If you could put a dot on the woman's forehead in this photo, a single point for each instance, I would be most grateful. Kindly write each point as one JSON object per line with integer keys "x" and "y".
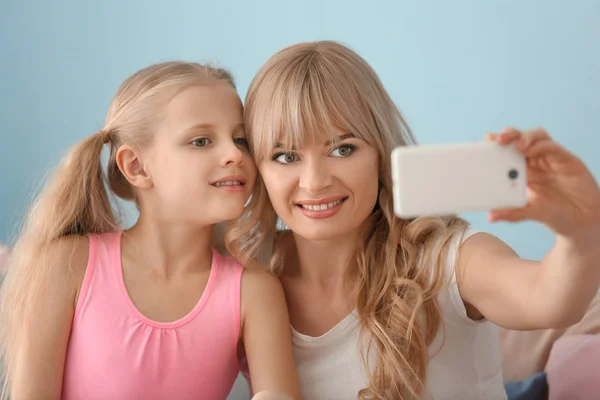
{"x": 314, "y": 137}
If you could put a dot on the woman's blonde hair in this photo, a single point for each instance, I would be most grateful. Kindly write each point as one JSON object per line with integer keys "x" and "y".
{"x": 76, "y": 201}
{"x": 304, "y": 90}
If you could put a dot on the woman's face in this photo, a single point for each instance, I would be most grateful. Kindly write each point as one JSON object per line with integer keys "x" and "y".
{"x": 324, "y": 190}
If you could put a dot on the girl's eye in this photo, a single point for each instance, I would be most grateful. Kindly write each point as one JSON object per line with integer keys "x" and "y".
{"x": 201, "y": 142}
{"x": 285, "y": 158}
{"x": 343, "y": 150}
{"x": 241, "y": 141}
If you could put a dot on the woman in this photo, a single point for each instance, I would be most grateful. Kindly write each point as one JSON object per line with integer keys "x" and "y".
{"x": 388, "y": 308}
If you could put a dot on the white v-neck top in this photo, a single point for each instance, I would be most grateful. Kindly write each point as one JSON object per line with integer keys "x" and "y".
{"x": 465, "y": 357}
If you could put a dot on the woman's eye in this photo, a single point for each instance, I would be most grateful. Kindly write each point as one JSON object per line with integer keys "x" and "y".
{"x": 343, "y": 150}
{"x": 285, "y": 158}
{"x": 201, "y": 142}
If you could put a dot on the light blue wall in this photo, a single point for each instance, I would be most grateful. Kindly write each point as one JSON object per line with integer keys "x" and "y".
{"x": 456, "y": 69}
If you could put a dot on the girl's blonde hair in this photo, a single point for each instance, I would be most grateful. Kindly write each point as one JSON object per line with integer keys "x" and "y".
{"x": 307, "y": 89}
{"x": 76, "y": 200}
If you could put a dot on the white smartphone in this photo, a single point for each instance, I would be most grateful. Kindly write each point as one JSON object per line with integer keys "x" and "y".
{"x": 439, "y": 180}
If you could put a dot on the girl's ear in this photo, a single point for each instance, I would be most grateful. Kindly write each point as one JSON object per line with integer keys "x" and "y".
{"x": 131, "y": 166}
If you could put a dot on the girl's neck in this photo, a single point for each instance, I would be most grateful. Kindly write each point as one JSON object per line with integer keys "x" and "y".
{"x": 168, "y": 249}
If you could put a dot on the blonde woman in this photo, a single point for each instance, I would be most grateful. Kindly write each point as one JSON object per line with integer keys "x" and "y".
{"x": 386, "y": 308}
{"x": 90, "y": 311}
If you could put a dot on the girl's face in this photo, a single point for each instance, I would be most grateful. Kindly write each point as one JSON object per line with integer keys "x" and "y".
{"x": 199, "y": 164}
{"x": 324, "y": 190}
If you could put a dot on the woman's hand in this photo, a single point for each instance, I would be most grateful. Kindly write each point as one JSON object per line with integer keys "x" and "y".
{"x": 561, "y": 192}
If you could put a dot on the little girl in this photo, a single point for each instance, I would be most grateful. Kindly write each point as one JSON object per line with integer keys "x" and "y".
{"x": 153, "y": 312}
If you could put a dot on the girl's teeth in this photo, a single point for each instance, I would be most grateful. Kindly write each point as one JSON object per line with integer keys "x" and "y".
{"x": 321, "y": 207}
{"x": 228, "y": 183}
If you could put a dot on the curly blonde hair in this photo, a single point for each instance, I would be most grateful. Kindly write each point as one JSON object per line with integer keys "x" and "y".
{"x": 301, "y": 91}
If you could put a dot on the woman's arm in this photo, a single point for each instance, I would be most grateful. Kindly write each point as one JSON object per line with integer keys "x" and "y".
{"x": 523, "y": 295}
{"x": 267, "y": 337}
{"x": 39, "y": 365}
{"x": 555, "y": 292}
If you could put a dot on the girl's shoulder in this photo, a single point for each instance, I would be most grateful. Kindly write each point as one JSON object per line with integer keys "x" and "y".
{"x": 70, "y": 255}
{"x": 68, "y": 260}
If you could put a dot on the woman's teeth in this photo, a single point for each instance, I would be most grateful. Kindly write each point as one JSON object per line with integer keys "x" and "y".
{"x": 320, "y": 207}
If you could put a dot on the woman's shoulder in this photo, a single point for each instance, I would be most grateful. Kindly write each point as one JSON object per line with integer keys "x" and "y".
{"x": 430, "y": 235}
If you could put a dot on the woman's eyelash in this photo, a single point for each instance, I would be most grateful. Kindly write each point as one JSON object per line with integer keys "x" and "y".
{"x": 344, "y": 150}
{"x": 288, "y": 157}
{"x": 348, "y": 150}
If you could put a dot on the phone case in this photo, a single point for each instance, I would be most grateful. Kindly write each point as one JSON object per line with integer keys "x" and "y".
{"x": 451, "y": 179}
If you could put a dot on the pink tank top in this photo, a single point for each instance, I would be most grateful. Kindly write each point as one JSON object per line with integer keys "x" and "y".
{"x": 115, "y": 352}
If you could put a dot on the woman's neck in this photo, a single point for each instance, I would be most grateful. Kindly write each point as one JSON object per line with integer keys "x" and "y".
{"x": 327, "y": 264}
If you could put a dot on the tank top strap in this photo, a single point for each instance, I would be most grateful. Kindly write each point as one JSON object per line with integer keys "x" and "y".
{"x": 225, "y": 298}
{"x": 101, "y": 274}
{"x": 229, "y": 279}
{"x": 228, "y": 266}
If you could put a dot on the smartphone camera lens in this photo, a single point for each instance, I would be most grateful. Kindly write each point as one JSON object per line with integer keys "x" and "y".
{"x": 513, "y": 174}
